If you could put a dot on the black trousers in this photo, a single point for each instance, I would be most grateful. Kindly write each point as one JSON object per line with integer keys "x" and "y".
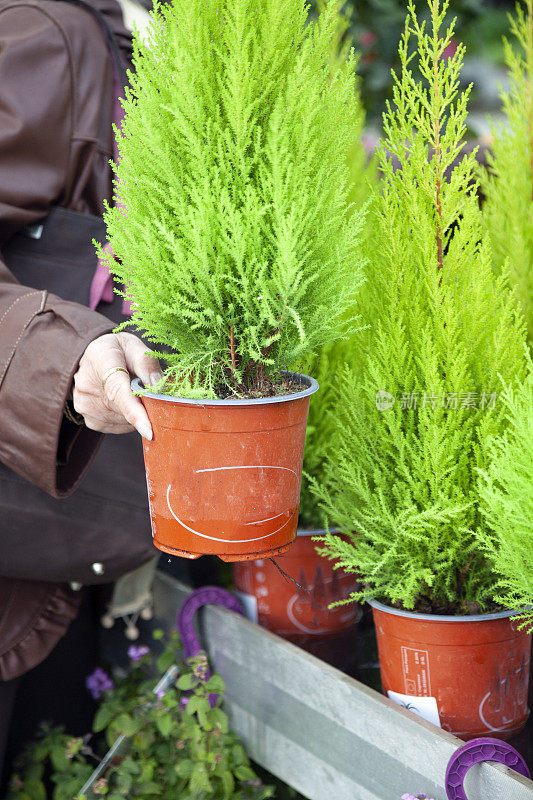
{"x": 55, "y": 689}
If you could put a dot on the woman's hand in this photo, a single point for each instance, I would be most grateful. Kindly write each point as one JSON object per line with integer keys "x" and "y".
{"x": 102, "y": 393}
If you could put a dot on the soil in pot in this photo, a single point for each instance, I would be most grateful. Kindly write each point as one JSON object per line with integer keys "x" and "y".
{"x": 224, "y": 475}
{"x": 469, "y": 675}
{"x": 276, "y": 603}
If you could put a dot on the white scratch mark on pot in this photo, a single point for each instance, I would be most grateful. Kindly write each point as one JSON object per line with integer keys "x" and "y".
{"x": 214, "y": 538}
{"x": 268, "y": 519}
{"x": 250, "y": 466}
{"x": 482, "y": 718}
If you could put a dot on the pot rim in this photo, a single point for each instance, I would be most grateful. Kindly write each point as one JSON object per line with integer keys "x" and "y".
{"x": 312, "y": 387}
{"x": 442, "y": 618}
{"x": 315, "y": 531}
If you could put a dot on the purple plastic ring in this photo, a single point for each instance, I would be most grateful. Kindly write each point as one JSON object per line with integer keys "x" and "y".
{"x": 207, "y": 595}
{"x": 474, "y": 752}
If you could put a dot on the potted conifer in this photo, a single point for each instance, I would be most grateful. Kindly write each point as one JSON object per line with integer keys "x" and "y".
{"x": 418, "y": 408}
{"x": 301, "y": 612}
{"x": 507, "y": 183}
{"x": 235, "y": 241}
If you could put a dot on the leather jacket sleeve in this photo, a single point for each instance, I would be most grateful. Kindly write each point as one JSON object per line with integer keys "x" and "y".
{"x": 42, "y": 337}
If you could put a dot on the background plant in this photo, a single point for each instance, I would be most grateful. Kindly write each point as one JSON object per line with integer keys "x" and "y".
{"x": 508, "y": 182}
{"x": 236, "y": 242}
{"x": 507, "y": 495}
{"x": 403, "y": 482}
{"x": 179, "y": 746}
{"x": 376, "y": 25}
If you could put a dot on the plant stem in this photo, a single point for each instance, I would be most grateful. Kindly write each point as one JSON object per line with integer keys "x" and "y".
{"x": 464, "y": 571}
{"x": 232, "y": 350}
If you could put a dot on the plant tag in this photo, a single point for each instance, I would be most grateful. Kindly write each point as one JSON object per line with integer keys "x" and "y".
{"x": 425, "y": 707}
{"x": 249, "y": 604}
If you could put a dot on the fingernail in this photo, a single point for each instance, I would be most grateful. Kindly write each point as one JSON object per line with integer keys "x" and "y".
{"x": 155, "y": 377}
{"x": 145, "y": 431}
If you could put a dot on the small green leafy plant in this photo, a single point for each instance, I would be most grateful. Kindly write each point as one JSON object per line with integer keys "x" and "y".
{"x": 418, "y": 403}
{"x": 508, "y": 181}
{"x": 507, "y": 502}
{"x": 233, "y": 232}
{"x": 179, "y": 746}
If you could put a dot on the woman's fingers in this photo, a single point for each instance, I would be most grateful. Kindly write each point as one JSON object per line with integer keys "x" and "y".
{"x": 102, "y": 392}
{"x": 138, "y": 361}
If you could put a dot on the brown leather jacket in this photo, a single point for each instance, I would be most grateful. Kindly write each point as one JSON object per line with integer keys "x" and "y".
{"x": 55, "y": 79}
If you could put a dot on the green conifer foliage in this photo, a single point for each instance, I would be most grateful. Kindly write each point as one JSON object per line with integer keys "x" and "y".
{"x": 236, "y": 245}
{"x": 508, "y": 182}
{"x": 331, "y": 358}
{"x": 507, "y": 496}
{"x": 402, "y": 481}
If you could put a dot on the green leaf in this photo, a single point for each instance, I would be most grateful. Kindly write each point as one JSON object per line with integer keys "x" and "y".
{"x": 187, "y": 681}
{"x": 199, "y": 781}
{"x": 217, "y": 719}
{"x": 59, "y": 759}
{"x": 197, "y": 704}
{"x": 165, "y": 660}
{"x": 215, "y": 685}
{"x": 184, "y": 768}
{"x": 204, "y": 720}
{"x": 130, "y": 766}
{"x": 239, "y": 756}
{"x": 164, "y": 724}
{"x": 228, "y": 783}
{"x": 127, "y": 725}
{"x": 245, "y": 773}
{"x": 36, "y": 790}
{"x": 102, "y": 718}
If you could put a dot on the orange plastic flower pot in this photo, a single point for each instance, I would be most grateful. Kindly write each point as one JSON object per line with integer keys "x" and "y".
{"x": 468, "y": 674}
{"x": 277, "y": 604}
{"x": 224, "y": 476}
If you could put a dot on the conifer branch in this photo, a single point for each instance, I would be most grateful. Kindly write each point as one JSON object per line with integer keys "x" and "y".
{"x": 508, "y": 181}
{"x": 436, "y": 133}
{"x": 529, "y": 82}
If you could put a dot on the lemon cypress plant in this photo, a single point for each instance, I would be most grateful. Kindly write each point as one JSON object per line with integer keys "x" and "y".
{"x": 508, "y": 180}
{"x": 235, "y": 238}
{"x": 507, "y": 502}
{"x": 418, "y": 404}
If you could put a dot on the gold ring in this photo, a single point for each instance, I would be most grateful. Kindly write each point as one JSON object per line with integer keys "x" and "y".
{"x": 110, "y": 372}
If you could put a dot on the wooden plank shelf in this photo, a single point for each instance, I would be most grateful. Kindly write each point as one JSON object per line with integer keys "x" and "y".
{"x": 319, "y": 730}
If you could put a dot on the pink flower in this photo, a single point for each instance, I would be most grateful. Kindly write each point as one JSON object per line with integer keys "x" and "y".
{"x": 420, "y": 796}
{"x": 367, "y": 39}
{"x": 451, "y": 49}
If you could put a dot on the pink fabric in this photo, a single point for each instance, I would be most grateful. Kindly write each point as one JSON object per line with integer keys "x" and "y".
{"x": 102, "y": 282}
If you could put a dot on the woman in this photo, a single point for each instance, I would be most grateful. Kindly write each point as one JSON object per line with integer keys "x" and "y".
{"x": 64, "y": 377}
